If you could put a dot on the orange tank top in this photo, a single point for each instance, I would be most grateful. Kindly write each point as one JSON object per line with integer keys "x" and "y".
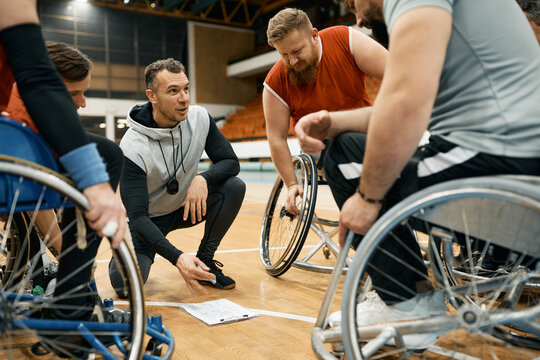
{"x": 17, "y": 110}
{"x": 340, "y": 84}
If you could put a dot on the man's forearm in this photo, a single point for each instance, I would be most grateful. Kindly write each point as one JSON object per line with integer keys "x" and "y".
{"x": 154, "y": 239}
{"x": 281, "y": 156}
{"x": 392, "y": 139}
{"x": 355, "y": 120}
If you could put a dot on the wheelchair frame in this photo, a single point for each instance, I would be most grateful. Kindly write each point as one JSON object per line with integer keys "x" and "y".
{"x": 309, "y": 177}
{"x": 513, "y": 198}
{"x": 26, "y": 186}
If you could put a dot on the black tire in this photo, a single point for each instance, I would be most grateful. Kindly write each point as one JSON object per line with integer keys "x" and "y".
{"x": 283, "y": 234}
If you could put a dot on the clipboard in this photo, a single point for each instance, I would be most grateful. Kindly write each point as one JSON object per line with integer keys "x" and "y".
{"x": 217, "y": 312}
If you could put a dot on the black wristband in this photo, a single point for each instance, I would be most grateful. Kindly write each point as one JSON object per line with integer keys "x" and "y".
{"x": 369, "y": 200}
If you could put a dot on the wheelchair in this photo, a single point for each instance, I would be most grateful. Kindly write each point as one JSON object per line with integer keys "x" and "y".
{"x": 489, "y": 314}
{"x": 29, "y": 185}
{"x": 283, "y": 234}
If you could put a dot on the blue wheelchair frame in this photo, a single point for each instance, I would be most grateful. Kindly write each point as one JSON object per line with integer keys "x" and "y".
{"x": 18, "y": 142}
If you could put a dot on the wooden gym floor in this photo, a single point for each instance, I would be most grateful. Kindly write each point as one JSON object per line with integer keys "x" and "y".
{"x": 288, "y": 306}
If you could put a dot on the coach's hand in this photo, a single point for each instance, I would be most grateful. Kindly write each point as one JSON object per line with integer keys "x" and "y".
{"x": 105, "y": 207}
{"x": 195, "y": 203}
{"x": 192, "y": 270}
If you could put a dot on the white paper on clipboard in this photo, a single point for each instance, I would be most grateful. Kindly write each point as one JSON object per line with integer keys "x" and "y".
{"x": 220, "y": 311}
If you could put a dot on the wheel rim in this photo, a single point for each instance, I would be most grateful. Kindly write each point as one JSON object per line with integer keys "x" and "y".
{"x": 447, "y": 280}
{"x": 282, "y": 234}
{"x": 16, "y": 300}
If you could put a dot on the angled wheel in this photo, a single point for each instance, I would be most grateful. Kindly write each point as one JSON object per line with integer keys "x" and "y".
{"x": 282, "y": 233}
{"x": 456, "y": 221}
{"x": 33, "y": 189}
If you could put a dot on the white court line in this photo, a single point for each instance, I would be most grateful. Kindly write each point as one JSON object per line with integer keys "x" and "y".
{"x": 452, "y": 354}
{"x": 227, "y": 251}
{"x": 308, "y": 319}
{"x": 435, "y": 349}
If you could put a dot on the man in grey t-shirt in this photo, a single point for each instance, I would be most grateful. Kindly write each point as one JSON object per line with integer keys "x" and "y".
{"x": 467, "y": 71}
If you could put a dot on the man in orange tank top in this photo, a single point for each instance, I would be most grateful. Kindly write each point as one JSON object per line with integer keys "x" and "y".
{"x": 325, "y": 70}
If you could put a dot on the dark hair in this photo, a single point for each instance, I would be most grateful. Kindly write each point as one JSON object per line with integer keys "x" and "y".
{"x": 71, "y": 63}
{"x": 169, "y": 64}
{"x": 532, "y": 8}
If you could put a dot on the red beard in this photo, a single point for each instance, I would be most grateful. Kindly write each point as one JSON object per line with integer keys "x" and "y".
{"x": 307, "y": 75}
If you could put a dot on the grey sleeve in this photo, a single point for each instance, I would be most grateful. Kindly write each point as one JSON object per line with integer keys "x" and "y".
{"x": 393, "y": 9}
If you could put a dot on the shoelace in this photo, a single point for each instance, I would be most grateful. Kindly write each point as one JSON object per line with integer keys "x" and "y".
{"x": 215, "y": 264}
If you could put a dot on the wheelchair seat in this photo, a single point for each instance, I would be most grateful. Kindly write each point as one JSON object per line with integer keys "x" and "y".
{"x": 20, "y": 144}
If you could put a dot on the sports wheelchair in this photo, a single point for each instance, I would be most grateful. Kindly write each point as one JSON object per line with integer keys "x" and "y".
{"x": 283, "y": 234}
{"x": 29, "y": 185}
{"x": 488, "y": 313}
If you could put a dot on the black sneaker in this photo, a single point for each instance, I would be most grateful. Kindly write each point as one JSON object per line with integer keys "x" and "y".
{"x": 222, "y": 281}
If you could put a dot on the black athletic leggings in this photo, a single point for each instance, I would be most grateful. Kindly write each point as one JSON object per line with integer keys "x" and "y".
{"x": 223, "y": 203}
{"x": 70, "y": 273}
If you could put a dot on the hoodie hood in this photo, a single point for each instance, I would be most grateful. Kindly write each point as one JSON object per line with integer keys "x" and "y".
{"x": 157, "y": 154}
{"x": 140, "y": 119}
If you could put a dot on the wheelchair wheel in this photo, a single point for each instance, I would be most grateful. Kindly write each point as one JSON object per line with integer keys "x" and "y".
{"x": 14, "y": 250}
{"x": 29, "y": 320}
{"x": 457, "y": 220}
{"x": 282, "y": 233}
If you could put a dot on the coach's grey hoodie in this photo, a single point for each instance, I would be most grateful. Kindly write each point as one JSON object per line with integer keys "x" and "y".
{"x": 141, "y": 144}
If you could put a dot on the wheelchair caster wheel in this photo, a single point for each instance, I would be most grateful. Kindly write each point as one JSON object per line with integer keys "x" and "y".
{"x": 326, "y": 252}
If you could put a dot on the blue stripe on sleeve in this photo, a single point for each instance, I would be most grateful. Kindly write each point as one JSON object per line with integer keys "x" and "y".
{"x": 85, "y": 166}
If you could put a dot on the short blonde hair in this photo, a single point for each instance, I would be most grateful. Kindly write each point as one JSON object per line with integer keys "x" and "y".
{"x": 285, "y": 21}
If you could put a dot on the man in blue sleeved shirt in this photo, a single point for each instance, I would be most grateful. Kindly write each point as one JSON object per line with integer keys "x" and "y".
{"x": 161, "y": 187}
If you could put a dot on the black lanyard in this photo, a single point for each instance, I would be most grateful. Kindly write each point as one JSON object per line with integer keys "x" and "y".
{"x": 172, "y": 183}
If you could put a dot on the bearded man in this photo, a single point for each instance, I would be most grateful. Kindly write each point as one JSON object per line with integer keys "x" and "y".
{"x": 469, "y": 73}
{"x": 317, "y": 70}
